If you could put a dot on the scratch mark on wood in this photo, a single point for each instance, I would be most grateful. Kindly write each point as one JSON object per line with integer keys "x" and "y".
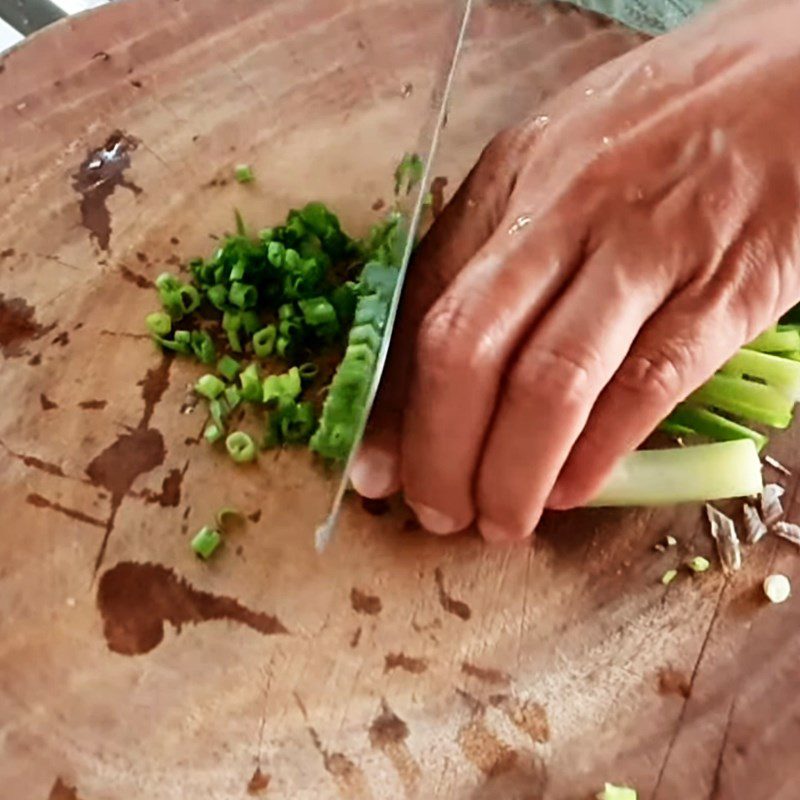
{"x": 716, "y": 784}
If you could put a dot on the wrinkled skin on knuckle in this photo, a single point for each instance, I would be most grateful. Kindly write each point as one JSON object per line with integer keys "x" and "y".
{"x": 557, "y": 377}
{"x": 454, "y": 341}
{"x": 657, "y": 376}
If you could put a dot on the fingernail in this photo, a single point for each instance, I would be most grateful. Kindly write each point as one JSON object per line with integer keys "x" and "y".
{"x": 558, "y": 498}
{"x": 493, "y": 532}
{"x": 374, "y": 474}
{"x": 433, "y": 520}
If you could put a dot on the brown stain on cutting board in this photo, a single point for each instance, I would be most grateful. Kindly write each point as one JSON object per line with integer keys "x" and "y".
{"x": 131, "y": 454}
{"x": 416, "y": 666}
{"x": 46, "y": 403}
{"x": 485, "y": 674}
{"x": 37, "y": 501}
{"x": 484, "y": 749}
{"x": 452, "y": 606}
{"x": 170, "y": 494}
{"x": 18, "y": 325}
{"x": 93, "y": 405}
{"x": 62, "y": 791}
{"x": 96, "y": 179}
{"x": 672, "y": 681}
{"x": 135, "y": 278}
{"x": 388, "y": 733}
{"x": 136, "y": 599}
{"x": 438, "y": 185}
{"x": 349, "y": 779}
{"x": 259, "y": 782}
{"x": 528, "y": 716}
{"x": 364, "y": 603}
{"x": 34, "y": 462}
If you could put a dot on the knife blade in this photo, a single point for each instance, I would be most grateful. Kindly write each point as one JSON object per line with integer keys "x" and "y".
{"x": 411, "y": 214}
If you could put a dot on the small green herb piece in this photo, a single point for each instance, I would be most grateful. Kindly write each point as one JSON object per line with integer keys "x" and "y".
{"x": 282, "y": 387}
{"x": 218, "y": 409}
{"x": 232, "y": 324}
{"x": 203, "y": 347}
{"x": 243, "y": 295}
{"x": 698, "y": 564}
{"x": 250, "y": 380}
{"x": 212, "y": 433}
{"x": 264, "y": 341}
{"x": 206, "y": 541}
{"x": 243, "y": 173}
{"x": 240, "y": 446}
{"x": 308, "y": 371}
{"x": 612, "y": 792}
{"x": 158, "y": 323}
{"x": 669, "y": 576}
{"x": 232, "y": 397}
{"x": 408, "y": 173}
{"x": 229, "y": 368}
{"x": 297, "y": 422}
{"x": 209, "y": 386}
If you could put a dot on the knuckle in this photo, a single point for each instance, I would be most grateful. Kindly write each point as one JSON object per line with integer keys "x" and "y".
{"x": 657, "y": 376}
{"x": 566, "y": 375}
{"x": 452, "y": 339}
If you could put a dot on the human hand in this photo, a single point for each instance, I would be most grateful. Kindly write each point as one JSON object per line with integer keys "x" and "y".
{"x": 597, "y": 265}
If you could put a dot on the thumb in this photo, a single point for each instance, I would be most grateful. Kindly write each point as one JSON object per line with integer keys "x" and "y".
{"x": 462, "y": 228}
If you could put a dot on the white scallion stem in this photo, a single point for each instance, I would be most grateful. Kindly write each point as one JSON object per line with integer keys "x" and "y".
{"x": 682, "y": 475}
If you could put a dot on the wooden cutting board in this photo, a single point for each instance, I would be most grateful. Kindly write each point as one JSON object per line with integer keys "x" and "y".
{"x": 398, "y": 665}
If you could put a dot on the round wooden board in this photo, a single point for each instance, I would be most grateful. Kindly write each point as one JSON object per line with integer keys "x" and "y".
{"x": 397, "y": 665}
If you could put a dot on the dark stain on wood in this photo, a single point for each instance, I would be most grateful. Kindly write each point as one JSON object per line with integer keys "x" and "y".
{"x": 35, "y": 463}
{"x": 142, "y": 281}
{"x": 174, "y": 240}
{"x": 388, "y": 733}
{"x": 93, "y": 405}
{"x": 356, "y": 637}
{"x": 37, "y": 501}
{"x": 8, "y": 252}
{"x": 672, "y": 681}
{"x": 349, "y": 778}
{"x": 62, "y": 339}
{"x": 259, "y": 782}
{"x": 170, "y": 494}
{"x": 46, "y": 403}
{"x": 527, "y": 715}
{"x": 452, "y": 606}
{"x": 365, "y": 603}
{"x": 136, "y": 83}
{"x": 136, "y": 599}
{"x": 18, "y": 326}
{"x": 255, "y": 516}
{"x": 35, "y": 360}
{"x": 142, "y": 257}
{"x": 485, "y": 674}
{"x": 63, "y": 791}
{"x": 375, "y": 506}
{"x": 96, "y": 179}
{"x": 378, "y": 204}
{"x": 131, "y": 454}
{"x": 484, "y": 749}
{"x": 416, "y": 666}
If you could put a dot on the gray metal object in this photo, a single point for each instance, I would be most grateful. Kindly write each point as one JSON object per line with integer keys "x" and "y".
{"x": 28, "y": 16}
{"x": 429, "y": 141}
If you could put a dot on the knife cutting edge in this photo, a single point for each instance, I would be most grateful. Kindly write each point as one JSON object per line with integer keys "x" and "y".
{"x": 325, "y": 531}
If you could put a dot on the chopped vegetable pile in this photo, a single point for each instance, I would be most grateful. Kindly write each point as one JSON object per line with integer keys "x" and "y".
{"x": 272, "y": 315}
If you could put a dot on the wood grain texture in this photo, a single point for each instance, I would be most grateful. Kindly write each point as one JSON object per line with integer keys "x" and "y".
{"x": 399, "y": 665}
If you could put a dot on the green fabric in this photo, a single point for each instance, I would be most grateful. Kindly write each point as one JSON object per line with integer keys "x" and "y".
{"x": 651, "y": 16}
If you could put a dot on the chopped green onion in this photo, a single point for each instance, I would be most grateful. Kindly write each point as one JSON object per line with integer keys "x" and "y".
{"x": 158, "y": 323}
{"x": 218, "y": 296}
{"x": 408, "y": 173}
{"x": 203, "y": 347}
{"x": 297, "y": 423}
{"x": 232, "y": 323}
{"x": 240, "y": 446}
{"x": 232, "y": 397}
{"x": 776, "y": 341}
{"x": 243, "y": 173}
{"x": 264, "y": 341}
{"x": 206, "y": 541}
{"x": 276, "y": 254}
{"x": 698, "y": 564}
{"x": 250, "y": 322}
{"x": 669, "y": 576}
{"x": 612, "y": 792}
{"x": 780, "y": 373}
{"x": 746, "y": 399}
{"x": 688, "y": 419}
{"x": 250, "y": 380}
{"x": 243, "y": 295}
{"x": 317, "y": 311}
{"x": 218, "y": 408}
{"x": 209, "y": 386}
{"x": 228, "y": 367}
{"x": 683, "y": 474}
{"x": 282, "y": 387}
{"x": 308, "y": 371}
{"x": 212, "y": 433}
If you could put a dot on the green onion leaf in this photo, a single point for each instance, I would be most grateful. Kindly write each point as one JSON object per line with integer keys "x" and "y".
{"x": 209, "y": 386}
{"x": 212, "y": 433}
{"x": 232, "y": 397}
{"x": 228, "y": 367}
{"x": 264, "y": 341}
{"x": 206, "y": 541}
{"x": 203, "y": 347}
{"x": 250, "y": 380}
{"x": 240, "y": 446}
{"x": 158, "y": 323}
{"x": 243, "y": 295}
{"x": 243, "y": 173}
